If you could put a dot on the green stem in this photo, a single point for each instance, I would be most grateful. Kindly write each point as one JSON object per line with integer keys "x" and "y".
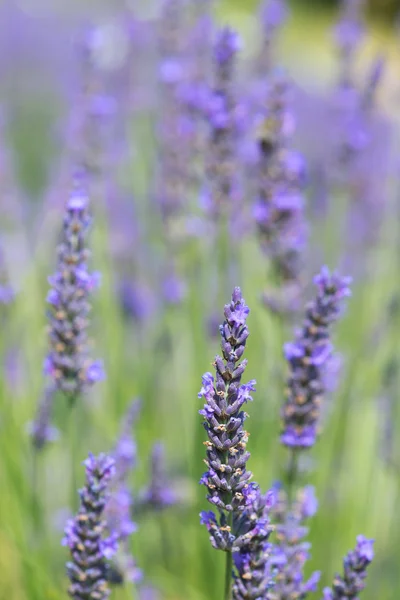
{"x": 292, "y": 474}
{"x": 228, "y": 576}
{"x": 73, "y": 453}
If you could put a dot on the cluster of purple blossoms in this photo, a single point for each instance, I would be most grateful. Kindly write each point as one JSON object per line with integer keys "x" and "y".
{"x": 68, "y": 363}
{"x": 308, "y": 358}
{"x": 222, "y": 115}
{"x": 291, "y": 552}
{"x": 84, "y": 534}
{"x": 227, "y": 478}
{"x": 355, "y": 563}
{"x": 253, "y": 575}
{"x": 158, "y": 494}
{"x": 6, "y": 291}
{"x": 279, "y": 209}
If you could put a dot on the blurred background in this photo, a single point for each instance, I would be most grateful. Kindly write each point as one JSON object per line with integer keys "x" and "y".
{"x": 157, "y": 335}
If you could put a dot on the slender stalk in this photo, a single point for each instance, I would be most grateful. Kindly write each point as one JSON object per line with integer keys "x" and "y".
{"x": 228, "y": 576}
{"x": 292, "y": 472}
{"x": 73, "y": 421}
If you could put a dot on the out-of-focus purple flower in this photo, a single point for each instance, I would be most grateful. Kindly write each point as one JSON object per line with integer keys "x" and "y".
{"x": 290, "y": 553}
{"x": 253, "y": 573}
{"x": 174, "y": 289}
{"x": 118, "y": 510}
{"x": 40, "y": 429}
{"x": 68, "y": 363}
{"x": 349, "y": 30}
{"x": 226, "y": 477}
{"x": 308, "y": 358}
{"x": 84, "y": 534}
{"x": 136, "y": 300}
{"x": 279, "y": 209}
{"x": 158, "y": 495}
{"x": 272, "y": 15}
{"x": 355, "y": 565}
{"x": 222, "y": 115}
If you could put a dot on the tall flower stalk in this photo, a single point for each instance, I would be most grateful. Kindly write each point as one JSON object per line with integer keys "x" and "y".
{"x": 279, "y": 209}
{"x": 227, "y": 477}
{"x": 309, "y": 357}
{"x": 68, "y": 363}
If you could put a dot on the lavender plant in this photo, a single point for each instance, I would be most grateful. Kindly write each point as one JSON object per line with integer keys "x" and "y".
{"x": 279, "y": 209}
{"x": 118, "y": 509}
{"x": 158, "y": 495}
{"x": 290, "y": 552}
{"x": 308, "y": 358}
{"x": 253, "y": 575}
{"x": 84, "y": 534}
{"x": 68, "y": 363}
{"x": 221, "y": 166}
{"x": 227, "y": 477}
{"x": 355, "y": 563}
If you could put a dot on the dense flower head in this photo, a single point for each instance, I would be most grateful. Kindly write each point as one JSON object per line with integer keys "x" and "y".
{"x": 158, "y": 494}
{"x": 221, "y": 112}
{"x": 348, "y": 586}
{"x": 279, "y": 209}
{"x": 68, "y": 362}
{"x": 290, "y": 552}
{"x": 227, "y": 478}
{"x": 84, "y": 534}
{"x": 309, "y": 357}
{"x": 253, "y": 574}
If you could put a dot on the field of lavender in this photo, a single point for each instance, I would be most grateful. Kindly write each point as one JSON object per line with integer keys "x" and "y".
{"x": 199, "y": 282}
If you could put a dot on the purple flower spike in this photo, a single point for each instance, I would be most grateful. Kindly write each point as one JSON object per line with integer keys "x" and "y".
{"x": 348, "y": 586}
{"x": 118, "y": 510}
{"x": 253, "y": 575}
{"x": 227, "y": 45}
{"x": 309, "y": 358}
{"x": 84, "y": 534}
{"x": 226, "y": 478}
{"x": 291, "y": 552}
{"x": 68, "y": 363}
{"x": 221, "y": 111}
{"x": 279, "y": 209}
{"x": 158, "y": 495}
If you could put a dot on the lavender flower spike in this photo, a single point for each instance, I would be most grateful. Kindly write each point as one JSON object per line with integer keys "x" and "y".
{"x": 118, "y": 510}
{"x": 227, "y": 478}
{"x": 158, "y": 495}
{"x": 253, "y": 575}
{"x": 68, "y": 363}
{"x": 290, "y": 553}
{"x": 355, "y": 571}
{"x": 221, "y": 112}
{"x": 279, "y": 209}
{"x": 90, "y": 551}
{"x": 308, "y": 358}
